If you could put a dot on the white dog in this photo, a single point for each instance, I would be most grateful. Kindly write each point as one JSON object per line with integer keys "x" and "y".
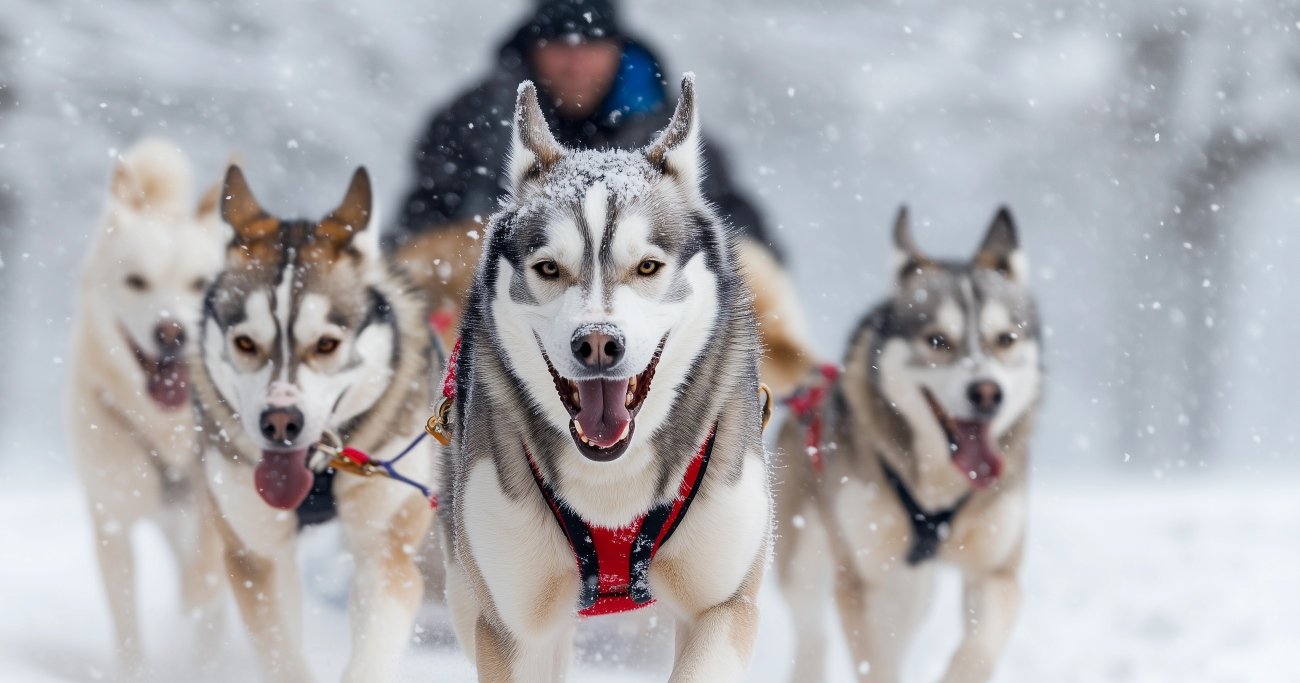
{"x": 129, "y": 414}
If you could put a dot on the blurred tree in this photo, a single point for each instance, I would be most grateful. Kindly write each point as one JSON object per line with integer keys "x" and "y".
{"x": 1212, "y": 83}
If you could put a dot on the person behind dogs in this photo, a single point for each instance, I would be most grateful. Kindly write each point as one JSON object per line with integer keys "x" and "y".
{"x": 599, "y": 86}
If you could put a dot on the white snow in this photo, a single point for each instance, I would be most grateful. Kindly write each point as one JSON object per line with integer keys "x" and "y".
{"x": 1190, "y": 580}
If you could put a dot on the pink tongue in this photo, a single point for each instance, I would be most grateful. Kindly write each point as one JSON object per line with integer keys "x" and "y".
{"x": 976, "y": 456}
{"x": 168, "y": 384}
{"x": 603, "y": 415}
{"x": 283, "y": 478}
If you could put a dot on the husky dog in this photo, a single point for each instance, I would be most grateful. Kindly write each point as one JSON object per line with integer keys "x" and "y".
{"x": 129, "y": 414}
{"x": 922, "y": 458}
{"x": 607, "y": 446}
{"x": 308, "y": 331}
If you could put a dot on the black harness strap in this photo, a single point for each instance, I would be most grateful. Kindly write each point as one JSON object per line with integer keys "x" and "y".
{"x": 319, "y": 506}
{"x": 579, "y": 535}
{"x": 928, "y": 528}
{"x": 647, "y": 540}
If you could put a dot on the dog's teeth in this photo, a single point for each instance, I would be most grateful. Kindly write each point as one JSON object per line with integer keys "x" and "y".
{"x": 631, "y": 384}
{"x": 630, "y": 396}
{"x": 627, "y": 429}
{"x": 577, "y": 427}
{"x": 577, "y": 402}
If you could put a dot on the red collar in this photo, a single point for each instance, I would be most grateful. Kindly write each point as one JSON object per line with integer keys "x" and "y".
{"x": 614, "y": 564}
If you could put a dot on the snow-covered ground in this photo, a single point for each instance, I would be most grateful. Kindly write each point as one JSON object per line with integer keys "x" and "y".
{"x": 1188, "y": 581}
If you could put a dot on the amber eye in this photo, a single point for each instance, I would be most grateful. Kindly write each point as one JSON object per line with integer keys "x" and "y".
{"x": 938, "y": 342}
{"x": 1007, "y": 340}
{"x": 245, "y": 343}
{"x": 648, "y": 267}
{"x": 137, "y": 282}
{"x": 547, "y": 270}
{"x": 326, "y": 345}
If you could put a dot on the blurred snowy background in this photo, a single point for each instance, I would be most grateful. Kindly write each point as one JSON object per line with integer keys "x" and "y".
{"x": 1148, "y": 149}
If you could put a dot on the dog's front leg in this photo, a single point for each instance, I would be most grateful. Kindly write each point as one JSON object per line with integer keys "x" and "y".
{"x": 505, "y": 657}
{"x": 269, "y": 596}
{"x": 989, "y": 602}
{"x": 387, "y": 588}
{"x": 117, "y": 566}
{"x": 717, "y": 644}
{"x": 201, "y": 578}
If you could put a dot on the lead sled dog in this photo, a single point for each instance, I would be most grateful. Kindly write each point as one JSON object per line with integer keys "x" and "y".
{"x": 607, "y": 432}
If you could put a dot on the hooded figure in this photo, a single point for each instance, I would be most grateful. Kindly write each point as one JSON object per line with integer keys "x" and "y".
{"x": 460, "y": 157}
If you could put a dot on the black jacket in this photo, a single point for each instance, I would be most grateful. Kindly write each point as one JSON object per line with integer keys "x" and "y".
{"x": 460, "y": 159}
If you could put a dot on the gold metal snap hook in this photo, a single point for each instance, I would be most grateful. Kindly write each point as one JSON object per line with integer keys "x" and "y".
{"x": 437, "y": 425}
{"x": 765, "y": 393}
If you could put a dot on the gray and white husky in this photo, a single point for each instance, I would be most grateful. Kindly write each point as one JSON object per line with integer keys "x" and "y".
{"x": 922, "y": 458}
{"x": 308, "y": 330}
{"x": 607, "y": 380}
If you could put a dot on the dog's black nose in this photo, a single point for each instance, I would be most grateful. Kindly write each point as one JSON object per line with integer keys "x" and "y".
{"x": 598, "y": 347}
{"x": 170, "y": 335}
{"x": 985, "y": 396}
{"x": 281, "y": 425}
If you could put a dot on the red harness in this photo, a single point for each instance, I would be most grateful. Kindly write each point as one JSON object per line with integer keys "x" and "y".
{"x": 806, "y": 405}
{"x": 613, "y": 564}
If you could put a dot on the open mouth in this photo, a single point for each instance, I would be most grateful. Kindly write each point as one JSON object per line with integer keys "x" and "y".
{"x": 974, "y": 451}
{"x": 602, "y": 412}
{"x": 166, "y": 377}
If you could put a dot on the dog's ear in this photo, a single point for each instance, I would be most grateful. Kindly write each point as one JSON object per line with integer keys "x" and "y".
{"x": 353, "y": 214}
{"x": 533, "y": 148}
{"x": 349, "y": 223}
{"x": 126, "y": 191}
{"x": 677, "y": 149}
{"x": 1000, "y": 250}
{"x": 907, "y": 259}
{"x": 240, "y": 210}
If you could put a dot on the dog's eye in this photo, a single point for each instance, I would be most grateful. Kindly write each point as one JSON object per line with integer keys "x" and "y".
{"x": 1007, "y": 340}
{"x": 137, "y": 282}
{"x": 648, "y": 267}
{"x": 938, "y": 342}
{"x": 245, "y": 343}
{"x": 547, "y": 270}
{"x": 326, "y": 345}
{"x": 199, "y": 284}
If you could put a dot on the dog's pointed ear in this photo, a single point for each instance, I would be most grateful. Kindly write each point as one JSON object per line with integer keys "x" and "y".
{"x": 1000, "y": 250}
{"x": 677, "y": 149}
{"x": 533, "y": 148}
{"x": 353, "y": 215}
{"x": 240, "y": 210}
{"x": 907, "y": 259}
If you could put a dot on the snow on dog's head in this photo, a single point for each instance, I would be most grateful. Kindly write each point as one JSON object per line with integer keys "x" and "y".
{"x": 602, "y": 269}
